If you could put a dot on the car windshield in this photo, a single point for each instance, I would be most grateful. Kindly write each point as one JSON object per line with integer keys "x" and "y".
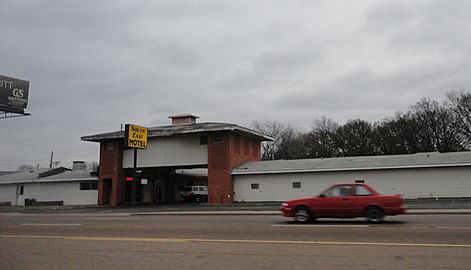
{"x": 186, "y": 189}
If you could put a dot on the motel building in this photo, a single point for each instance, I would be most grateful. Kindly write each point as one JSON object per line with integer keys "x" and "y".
{"x": 185, "y": 153}
{"x": 226, "y": 158}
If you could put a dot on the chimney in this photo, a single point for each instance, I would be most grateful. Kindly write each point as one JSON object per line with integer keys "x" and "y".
{"x": 183, "y": 119}
{"x": 79, "y": 165}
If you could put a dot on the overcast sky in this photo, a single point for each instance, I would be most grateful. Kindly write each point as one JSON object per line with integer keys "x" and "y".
{"x": 93, "y": 65}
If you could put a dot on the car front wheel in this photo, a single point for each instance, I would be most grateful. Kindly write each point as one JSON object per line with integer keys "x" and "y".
{"x": 374, "y": 214}
{"x": 302, "y": 215}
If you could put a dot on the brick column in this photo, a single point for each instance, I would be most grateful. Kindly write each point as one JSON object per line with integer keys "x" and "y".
{"x": 223, "y": 157}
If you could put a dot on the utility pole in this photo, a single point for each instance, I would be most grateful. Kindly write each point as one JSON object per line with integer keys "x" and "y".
{"x": 50, "y": 163}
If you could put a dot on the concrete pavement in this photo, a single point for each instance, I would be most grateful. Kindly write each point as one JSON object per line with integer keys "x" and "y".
{"x": 232, "y": 242}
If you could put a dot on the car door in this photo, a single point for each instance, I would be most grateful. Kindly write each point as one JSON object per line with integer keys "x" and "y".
{"x": 336, "y": 201}
{"x": 361, "y": 200}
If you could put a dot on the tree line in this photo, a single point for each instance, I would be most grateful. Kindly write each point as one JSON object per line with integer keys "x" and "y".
{"x": 427, "y": 126}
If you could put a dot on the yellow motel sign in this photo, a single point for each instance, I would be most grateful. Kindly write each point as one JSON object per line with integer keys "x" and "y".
{"x": 135, "y": 136}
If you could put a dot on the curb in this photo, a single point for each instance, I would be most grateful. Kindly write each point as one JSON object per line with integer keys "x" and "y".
{"x": 276, "y": 213}
{"x": 209, "y": 213}
{"x": 438, "y": 212}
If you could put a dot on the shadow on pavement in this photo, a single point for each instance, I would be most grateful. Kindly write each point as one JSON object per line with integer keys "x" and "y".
{"x": 344, "y": 222}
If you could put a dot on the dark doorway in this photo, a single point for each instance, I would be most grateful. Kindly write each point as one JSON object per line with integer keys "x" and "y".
{"x": 107, "y": 191}
{"x": 128, "y": 194}
{"x": 158, "y": 193}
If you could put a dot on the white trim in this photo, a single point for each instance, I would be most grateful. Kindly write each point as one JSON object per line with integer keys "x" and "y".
{"x": 47, "y": 181}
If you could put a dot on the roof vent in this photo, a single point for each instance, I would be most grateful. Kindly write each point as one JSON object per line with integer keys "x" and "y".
{"x": 183, "y": 119}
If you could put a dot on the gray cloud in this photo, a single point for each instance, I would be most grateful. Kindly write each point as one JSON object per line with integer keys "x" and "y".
{"x": 94, "y": 65}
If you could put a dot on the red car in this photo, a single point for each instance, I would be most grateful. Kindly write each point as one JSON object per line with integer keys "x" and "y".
{"x": 344, "y": 201}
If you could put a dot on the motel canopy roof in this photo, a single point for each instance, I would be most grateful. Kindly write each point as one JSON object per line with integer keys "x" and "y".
{"x": 162, "y": 131}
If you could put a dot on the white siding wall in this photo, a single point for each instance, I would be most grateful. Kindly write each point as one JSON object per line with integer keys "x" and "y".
{"x": 169, "y": 151}
{"x": 69, "y": 192}
{"x": 411, "y": 183}
{"x": 8, "y": 193}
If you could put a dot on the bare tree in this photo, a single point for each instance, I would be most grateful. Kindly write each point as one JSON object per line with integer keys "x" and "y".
{"x": 460, "y": 104}
{"x": 272, "y": 129}
{"x": 426, "y": 127}
{"x": 398, "y": 135}
{"x": 292, "y": 144}
{"x": 287, "y": 142}
{"x": 355, "y": 138}
{"x": 25, "y": 168}
{"x": 438, "y": 126}
{"x": 320, "y": 141}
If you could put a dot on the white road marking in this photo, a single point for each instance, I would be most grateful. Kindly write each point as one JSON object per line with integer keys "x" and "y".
{"x": 321, "y": 225}
{"x": 113, "y": 218}
{"x": 51, "y": 224}
{"x": 461, "y": 228}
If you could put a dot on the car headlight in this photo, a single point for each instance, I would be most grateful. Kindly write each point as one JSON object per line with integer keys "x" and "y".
{"x": 285, "y": 204}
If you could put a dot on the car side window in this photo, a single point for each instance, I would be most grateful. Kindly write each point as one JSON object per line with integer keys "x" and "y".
{"x": 362, "y": 191}
{"x": 339, "y": 191}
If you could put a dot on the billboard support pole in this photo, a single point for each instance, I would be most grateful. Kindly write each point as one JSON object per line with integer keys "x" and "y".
{"x": 134, "y": 180}
{"x": 135, "y": 137}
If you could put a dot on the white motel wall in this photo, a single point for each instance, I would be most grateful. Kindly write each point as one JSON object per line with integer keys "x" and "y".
{"x": 412, "y": 182}
{"x": 181, "y": 150}
{"x": 72, "y": 187}
{"x": 68, "y": 192}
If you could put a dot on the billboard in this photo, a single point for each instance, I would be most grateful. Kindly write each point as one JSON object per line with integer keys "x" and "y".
{"x": 136, "y": 136}
{"x": 13, "y": 94}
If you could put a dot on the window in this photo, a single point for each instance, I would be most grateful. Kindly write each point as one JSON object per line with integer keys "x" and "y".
{"x": 109, "y": 147}
{"x": 22, "y": 190}
{"x": 88, "y": 185}
{"x": 203, "y": 140}
{"x": 362, "y": 191}
{"x": 296, "y": 184}
{"x": 255, "y": 186}
{"x": 338, "y": 191}
{"x": 218, "y": 138}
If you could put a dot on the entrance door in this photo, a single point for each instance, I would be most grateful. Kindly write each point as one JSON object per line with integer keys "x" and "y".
{"x": 336, "y": 202}
{"x": 158, "y": 193}
{"x": 106, "y": 199}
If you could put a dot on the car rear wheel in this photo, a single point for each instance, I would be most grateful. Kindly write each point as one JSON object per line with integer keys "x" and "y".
{"x": 302, "y": 215}
{"x": 374, "y": 214}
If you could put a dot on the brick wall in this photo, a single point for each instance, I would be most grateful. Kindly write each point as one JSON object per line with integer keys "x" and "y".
{"x": 222, "y": 158}
{"x": 111, "y": 160}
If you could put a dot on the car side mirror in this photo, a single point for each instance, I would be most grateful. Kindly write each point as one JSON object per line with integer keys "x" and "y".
{"x": 322, "y": 195}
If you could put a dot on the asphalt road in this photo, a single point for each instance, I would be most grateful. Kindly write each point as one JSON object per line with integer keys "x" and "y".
{"x": 85, "y": 241}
